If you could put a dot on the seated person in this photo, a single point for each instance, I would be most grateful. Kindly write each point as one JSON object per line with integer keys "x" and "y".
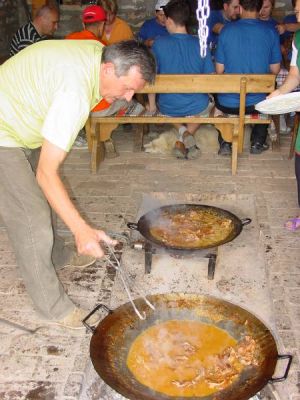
{"x": 289, "y": 26}
{"x": 262, "y": 56}
{"x": 93, "y": 20}
{"x": 115, "y": 28}
{"x": 43, "y": 26}
{"x": 179, "y": 53}
{"x": 265, "y": 13}
{"x": 154, "y": 27}
{"x": 219, "y": 18}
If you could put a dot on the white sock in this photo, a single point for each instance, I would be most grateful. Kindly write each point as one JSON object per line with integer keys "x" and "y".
{"x": 181, "y": 131}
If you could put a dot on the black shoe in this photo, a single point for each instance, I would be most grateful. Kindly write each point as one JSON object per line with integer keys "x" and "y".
{"x": 225, "y": 149}
{"x": 258, "y": 148}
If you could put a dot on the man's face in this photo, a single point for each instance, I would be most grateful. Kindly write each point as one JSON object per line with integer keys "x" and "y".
{"x": 110, "y": 18}
{"x": 266, "y": 10}
{"x": 49, "y": 23}
{"x": 232, "y": 10}
{"x": 160, "y": 18}
{"x": 113, "y": 87}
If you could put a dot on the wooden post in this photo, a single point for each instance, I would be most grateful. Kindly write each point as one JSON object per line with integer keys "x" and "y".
{"x": 242, "y": 114}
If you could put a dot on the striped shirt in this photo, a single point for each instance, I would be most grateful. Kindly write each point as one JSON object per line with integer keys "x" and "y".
{"x": 25, "y": 36}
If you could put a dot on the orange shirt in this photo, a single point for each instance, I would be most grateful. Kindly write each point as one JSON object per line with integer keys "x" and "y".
{"x": 120, "y": 31}
{"x": 88, "y": 35}
{"x": 84, "y": 35}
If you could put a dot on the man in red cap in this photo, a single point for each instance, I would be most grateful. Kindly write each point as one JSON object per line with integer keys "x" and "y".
{"x": 93, "y": 20}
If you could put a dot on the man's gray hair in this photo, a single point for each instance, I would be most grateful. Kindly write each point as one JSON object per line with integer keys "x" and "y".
{"x": 130, "y": 53}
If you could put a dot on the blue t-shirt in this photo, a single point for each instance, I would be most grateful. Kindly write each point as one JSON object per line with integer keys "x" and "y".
{"x": 215, "y": 17}
{"x": 288, "y": 19}
{"x": 179, "y": 53}
{"x": 271, "y": 22}
{"x": 247, "y": 47}
{"x": 151, "y": 29}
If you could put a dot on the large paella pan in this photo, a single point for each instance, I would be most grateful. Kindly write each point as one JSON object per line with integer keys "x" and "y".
{"x": 112, "y": 341}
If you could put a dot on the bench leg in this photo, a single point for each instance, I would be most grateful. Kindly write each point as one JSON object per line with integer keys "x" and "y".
{"x": 226, "y": 131}
{"x": 276, "y": 143}
{"x": 138, "y": 137}
{"x": 240, "y": 138}
{"x": 97, "y": 148}
{"x": 235, "y": 145}
{"x": 106, "y": 131}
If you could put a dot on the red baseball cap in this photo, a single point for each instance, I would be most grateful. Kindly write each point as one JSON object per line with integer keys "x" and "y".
{"x": 93, "y": 14}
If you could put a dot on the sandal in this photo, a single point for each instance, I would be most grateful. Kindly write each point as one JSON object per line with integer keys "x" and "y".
{"x": 179, "y": 150}
{"x": 292, "y": 224}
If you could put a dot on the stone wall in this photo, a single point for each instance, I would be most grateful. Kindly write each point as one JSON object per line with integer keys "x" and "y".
{"x": 133, "y": 11}
{"x": 12, "y": 15}
{"x": 11, "y": 11}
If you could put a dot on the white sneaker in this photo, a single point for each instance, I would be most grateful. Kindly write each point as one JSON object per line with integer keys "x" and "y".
{"x": 80, "y": 143}
{"x": 283, "y": 127}
{"x": 74, "y": 319}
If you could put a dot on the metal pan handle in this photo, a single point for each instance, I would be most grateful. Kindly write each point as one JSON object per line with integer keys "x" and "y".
{"x": 246, "y": 221}
{"x": 133, "y": 226}
{"x": 283, "y": 378}
{"x": 91, "y": 328}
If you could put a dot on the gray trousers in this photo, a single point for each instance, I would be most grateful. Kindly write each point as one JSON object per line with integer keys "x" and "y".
{"x": 27, "y": 216}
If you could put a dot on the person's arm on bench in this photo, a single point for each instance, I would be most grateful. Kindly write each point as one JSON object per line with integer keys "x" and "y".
{"x": 152, "y": 103}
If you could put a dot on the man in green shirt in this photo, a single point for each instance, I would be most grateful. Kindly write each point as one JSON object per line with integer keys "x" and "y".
{"x": 46, "y": 94}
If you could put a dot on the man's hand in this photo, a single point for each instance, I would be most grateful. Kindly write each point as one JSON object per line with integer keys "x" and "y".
{"x": 88, "y": 241}
{"x": 149, "y": 42}
{"x": 281, "y": 28}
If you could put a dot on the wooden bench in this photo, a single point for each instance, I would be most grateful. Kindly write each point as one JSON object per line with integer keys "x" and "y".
{"x": 232, "y": 128}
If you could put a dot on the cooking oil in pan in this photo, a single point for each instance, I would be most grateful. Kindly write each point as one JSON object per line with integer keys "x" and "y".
{"x": 188, "y": 358}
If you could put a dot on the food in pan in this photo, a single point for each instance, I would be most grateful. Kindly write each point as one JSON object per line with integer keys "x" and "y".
{"x": 189, "y": 358}
{"x": 191, "y": 228}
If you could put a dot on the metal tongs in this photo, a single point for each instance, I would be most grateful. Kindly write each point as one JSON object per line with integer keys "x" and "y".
{"x": 126, "y": 281}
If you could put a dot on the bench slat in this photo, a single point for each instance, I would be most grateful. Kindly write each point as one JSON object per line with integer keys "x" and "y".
{"x": 171, "y": 120}
{"x": 212, "y": 83}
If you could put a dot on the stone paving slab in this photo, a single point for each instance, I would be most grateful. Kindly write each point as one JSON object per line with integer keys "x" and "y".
{"x": 54, "y": 364}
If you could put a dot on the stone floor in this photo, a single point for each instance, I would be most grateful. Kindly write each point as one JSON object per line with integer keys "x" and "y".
{"x": 41, "y": 361}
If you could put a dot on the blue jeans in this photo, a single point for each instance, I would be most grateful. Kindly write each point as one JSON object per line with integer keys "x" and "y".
{"x": 259, "y": 132}
{"x": 27, "y": 216}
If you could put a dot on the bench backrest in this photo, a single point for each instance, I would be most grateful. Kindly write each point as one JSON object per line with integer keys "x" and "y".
{"x": 212, "y": 83}
{"x": 215, "y": 83}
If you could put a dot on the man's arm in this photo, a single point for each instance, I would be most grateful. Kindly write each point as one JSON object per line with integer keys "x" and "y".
{"x": 290, "y": 27}
{"x": 87, "y": 239}
{"x": 275, "y": 68}
{"x": 217, "y": 28}
{"x": 151, "y": 102}
{"x": 290, "y": 83}
{"x": 220, "y": 68}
